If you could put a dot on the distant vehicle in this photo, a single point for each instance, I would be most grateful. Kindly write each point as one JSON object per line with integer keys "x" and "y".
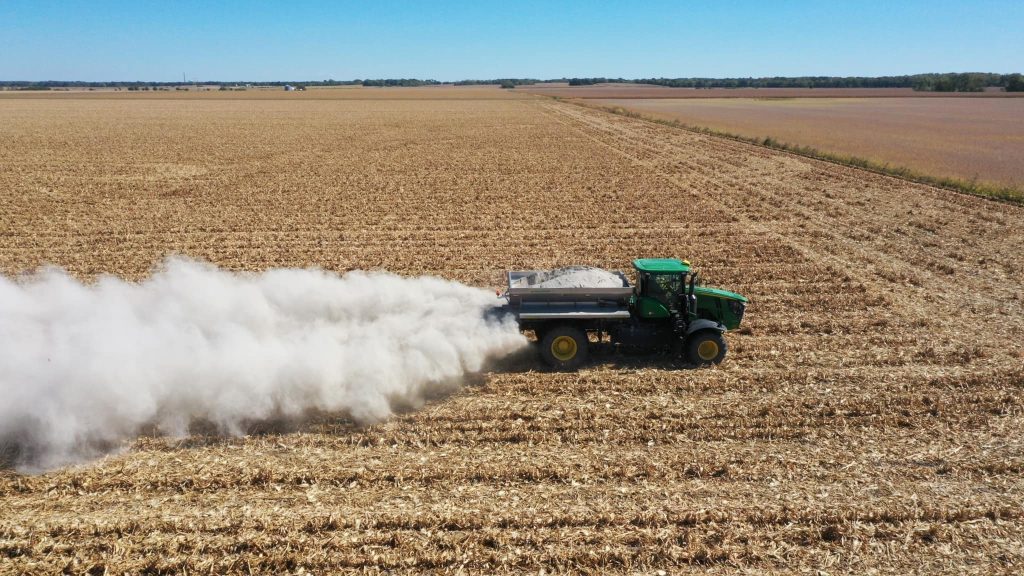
{"x": 289, "y": 88}
{"x": 666, "y": 312}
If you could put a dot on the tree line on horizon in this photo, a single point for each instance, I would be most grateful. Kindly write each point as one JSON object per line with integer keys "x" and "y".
{"x": 932, "y": 82}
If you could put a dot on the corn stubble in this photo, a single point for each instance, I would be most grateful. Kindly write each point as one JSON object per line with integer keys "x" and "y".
{"x": 869, "y": 415}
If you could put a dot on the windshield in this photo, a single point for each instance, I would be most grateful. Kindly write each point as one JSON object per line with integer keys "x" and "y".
{"x": 666, "y": 288}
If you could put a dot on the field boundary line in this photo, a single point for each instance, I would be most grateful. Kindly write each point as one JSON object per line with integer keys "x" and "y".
{"x": 1004, "y": 194}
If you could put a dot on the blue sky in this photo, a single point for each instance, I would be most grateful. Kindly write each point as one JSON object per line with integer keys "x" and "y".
{"x": 314, "y": 40}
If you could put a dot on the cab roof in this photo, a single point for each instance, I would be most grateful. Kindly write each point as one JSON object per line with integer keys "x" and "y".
{"x": 661, "y": 265}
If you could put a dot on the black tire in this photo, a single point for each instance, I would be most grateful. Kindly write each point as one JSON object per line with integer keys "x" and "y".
{"x": 706, "y": 347}
{"x": 564, "y": 347}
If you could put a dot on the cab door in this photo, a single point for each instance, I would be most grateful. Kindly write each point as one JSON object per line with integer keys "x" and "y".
{"x": 659, "y": 295}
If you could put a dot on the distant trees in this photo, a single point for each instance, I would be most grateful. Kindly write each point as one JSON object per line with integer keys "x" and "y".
{"x": 592, "y": 81}
{"x": 400, "y": 82}
{"x": 963, "y": 82}
{"x": 966, "y": 82}
{"x": 1014, "y": 83}
{"x": 500, "y": 81}
{"x": 766, "y": 82}
{"x": 951, "y": 82}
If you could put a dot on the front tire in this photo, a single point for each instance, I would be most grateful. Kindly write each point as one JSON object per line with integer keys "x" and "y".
{"x": 706, "y": 347}
{"x": 564, "y": 347}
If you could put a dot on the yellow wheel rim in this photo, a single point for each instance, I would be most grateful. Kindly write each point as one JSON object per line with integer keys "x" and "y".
{"x": 707, "y": 350}
{"x": 563, "y": 348}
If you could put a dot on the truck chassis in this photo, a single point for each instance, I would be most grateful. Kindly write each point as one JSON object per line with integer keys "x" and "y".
{"x": 564, "y": 318}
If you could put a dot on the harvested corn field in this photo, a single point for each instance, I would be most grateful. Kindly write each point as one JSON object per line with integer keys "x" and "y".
{"x": 869, "y": 415}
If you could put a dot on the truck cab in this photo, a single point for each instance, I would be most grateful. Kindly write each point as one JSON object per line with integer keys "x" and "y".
{"x": 667, "y": 290}
{"x": 660, "y": 287}
{"x": 666, "y": 287}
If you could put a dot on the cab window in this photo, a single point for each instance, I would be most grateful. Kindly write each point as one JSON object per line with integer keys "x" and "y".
{"x": 664, "y": 287}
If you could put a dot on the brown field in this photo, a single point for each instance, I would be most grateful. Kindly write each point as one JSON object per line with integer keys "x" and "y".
{"x": 439, "y": 92}
{"x": 869, "y": 417}
{"x": 563, "y": 90}
{"x": 964, "y": 138}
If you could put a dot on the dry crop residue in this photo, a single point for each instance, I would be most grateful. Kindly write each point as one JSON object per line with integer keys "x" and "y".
{"x": 869, "y": 414}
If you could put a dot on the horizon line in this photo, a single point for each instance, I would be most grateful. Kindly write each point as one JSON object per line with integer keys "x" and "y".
{"x": 610, "y": 79}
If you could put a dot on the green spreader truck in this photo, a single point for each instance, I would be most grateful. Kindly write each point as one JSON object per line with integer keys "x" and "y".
{"x": 667, "y": 311}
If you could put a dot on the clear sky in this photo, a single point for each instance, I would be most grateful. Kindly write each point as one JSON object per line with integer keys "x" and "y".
{"x": 315, "y": 40}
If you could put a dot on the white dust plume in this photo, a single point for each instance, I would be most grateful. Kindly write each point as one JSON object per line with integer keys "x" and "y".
{"x": 85, "y": 367}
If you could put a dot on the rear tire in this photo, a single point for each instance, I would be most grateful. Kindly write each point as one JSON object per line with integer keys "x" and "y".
{"x": 706, "y": 347}
{"x": 564, "y": 347}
